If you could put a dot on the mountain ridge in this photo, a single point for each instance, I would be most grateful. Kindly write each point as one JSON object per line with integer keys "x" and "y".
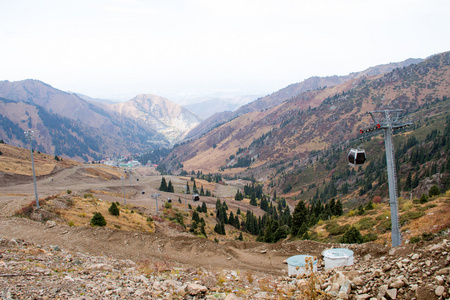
{"x": 292, "y": 90}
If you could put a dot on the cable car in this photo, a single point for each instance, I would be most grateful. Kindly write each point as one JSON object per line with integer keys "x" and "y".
{"x": 357, "y": 157}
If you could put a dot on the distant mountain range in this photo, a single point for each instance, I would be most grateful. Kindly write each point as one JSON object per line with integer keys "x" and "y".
{"x": 67, "y": 125}
{"x": 291, "y": 91}
{"x": 79, "y": 127}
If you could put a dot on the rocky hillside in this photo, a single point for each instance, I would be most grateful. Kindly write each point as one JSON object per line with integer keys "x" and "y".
{"x": 291, "y": 91}
{"x": 29, "y": 270}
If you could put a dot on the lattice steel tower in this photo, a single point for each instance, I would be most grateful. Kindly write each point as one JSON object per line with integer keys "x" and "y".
{"x": 389, "y": 124}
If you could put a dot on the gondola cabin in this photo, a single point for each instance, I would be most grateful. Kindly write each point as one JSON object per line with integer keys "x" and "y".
{"x": 356, "y": 157}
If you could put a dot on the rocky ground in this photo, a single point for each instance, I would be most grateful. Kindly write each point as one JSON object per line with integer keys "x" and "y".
{"x": 30, "y": 271}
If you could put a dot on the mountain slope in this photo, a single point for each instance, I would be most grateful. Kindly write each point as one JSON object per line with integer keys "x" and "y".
{"x": 291, "y": 91}
{"x": 68, "y": 125}
{"x": 311, "y": 121}
{"x": 161, "y": 114}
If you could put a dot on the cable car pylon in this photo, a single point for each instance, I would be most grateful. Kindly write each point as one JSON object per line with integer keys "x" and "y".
{"x": 389, "y": 124}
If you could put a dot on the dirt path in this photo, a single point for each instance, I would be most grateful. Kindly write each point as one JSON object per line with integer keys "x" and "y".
{"x": 166, "y": 245}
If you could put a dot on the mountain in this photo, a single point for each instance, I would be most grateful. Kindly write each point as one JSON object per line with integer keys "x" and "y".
{"x": 291, "y": 91}
{"x": 258, "y": 141}
{"x": 156, "y": 112}
{"x": 67, "y": 125}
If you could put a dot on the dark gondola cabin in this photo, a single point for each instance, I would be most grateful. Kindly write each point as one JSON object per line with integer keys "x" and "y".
{"x": 356, "y": 157}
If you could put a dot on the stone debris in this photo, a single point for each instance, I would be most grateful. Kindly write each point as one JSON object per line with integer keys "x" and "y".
{"x": 29, "y": 271}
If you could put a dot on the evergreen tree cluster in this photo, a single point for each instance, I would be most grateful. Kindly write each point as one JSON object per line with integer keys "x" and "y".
{"x": 164, "y": 187}
{"x": 197, "y": 225}
{"x": 306, "y": 217}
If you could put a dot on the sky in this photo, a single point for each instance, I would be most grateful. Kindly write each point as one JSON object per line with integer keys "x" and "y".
{"x": 182, "y": 50}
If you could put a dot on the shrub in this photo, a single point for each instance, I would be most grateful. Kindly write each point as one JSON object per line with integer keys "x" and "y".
{"x": 167, "y": 205}
{"x": 407, "y": 206}
{"x": 98, "y": 220}
{"x": 334, "y": 229}
{"x": 370, "y": 237}
{"x": 88, "y": 195}
{"x": 427, "y": 236}
{"x": 71, "y": 223}
{"x": 369, "y": 205}
{"x": 69, "y": 192}
{"x": 352, "y": 236}
{"x": 423, "y": 199}
{"x": 114, "y": 210}
{"x": 377, "y": 199}
{"x": 351, "y": 213}
{"x": 415, "y": 239}
{"x": 1, "y": 153}
{"x": 366, "y": 223}
{"x": 434, "y": 191}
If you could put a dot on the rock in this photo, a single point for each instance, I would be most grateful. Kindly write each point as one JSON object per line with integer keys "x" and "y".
{"x": 50, "y": 223}
{"x": 100, "y": 267}
{"x": 363, "y": 296}
{"x": 194, "y": 289}
{"x": 391, "y": 293}
{"x": 376, "y": 273}
{"x": 232, "y": 296}
{"x": 358, "y": 281}
{"x": 367, "y": 257}
{"x": 346, "y": 287}
{"x": 386, "y": 267}
{"x": 439, "y": 291}
{"x": 342, "y": 295}
{"x": 415, "y": 256}
{"x": 443, "y": 271}
{"x": 439, "y": 280}
{"x": 397, "y": 284}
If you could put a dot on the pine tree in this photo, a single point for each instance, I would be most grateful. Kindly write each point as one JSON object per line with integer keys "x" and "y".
{"x": 187, "y": 188}
{"x": 408, "y": 182}
{"x": 253, "y": 200}
{"x": 170, "y": 188}
{"x": 299, "y": 216}
{"x": 204, "y": 208}
{"x": 98, "y": 220}
{"x": 113, "y": 209}
{"x": 194, "y": 188}
{"x": 195, "y": 216}
{"x": 163, "y": 185}
{"x": 202, "y": 192}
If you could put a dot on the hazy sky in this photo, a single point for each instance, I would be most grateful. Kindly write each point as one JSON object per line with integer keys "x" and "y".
{"x": 116, "y": 49}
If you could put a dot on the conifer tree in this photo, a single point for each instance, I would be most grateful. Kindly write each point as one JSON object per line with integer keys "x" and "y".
{"x": 163, "y": 185}
{"x": 98, "y": 220}
{"x": 170, "y": 188}
{"x": 113, "y": 209}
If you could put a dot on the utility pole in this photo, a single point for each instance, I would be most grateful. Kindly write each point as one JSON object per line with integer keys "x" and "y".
{"x": 156, "y": 198}
{"x": 30, "y": 135}
{"x": 123, "y": 189}
{"x": 185, "y": 201}
{"x": 389, "y": 124}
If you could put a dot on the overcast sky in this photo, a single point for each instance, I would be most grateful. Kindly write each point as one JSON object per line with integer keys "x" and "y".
{"x": 116, "y": 49}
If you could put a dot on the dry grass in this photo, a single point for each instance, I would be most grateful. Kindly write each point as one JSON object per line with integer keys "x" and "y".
{"x": 18, "y": 161}
{"x": 83, "y": 209}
